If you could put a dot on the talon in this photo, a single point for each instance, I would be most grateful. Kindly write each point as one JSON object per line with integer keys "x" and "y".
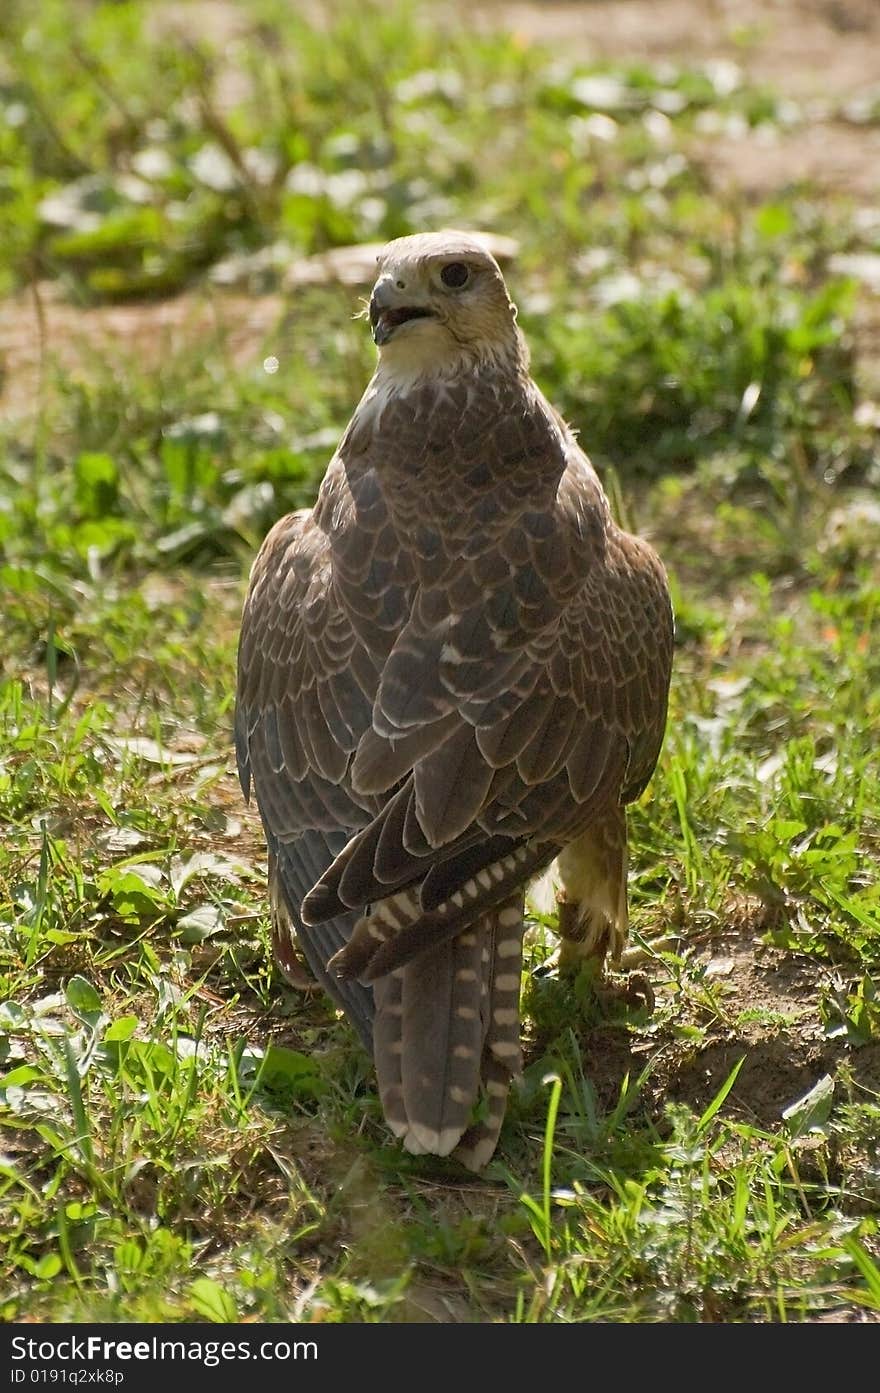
{"x": 289, "y": 963}
{"x": 637, "y": 991}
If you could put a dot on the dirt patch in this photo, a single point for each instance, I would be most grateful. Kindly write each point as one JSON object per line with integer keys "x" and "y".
{"x": 822, "y": 54}
{"x": 764, "y": 1007}
{"x": 803, "y": 48}
{"x": 39, "y": 329}
{"x": 832, "y": 158}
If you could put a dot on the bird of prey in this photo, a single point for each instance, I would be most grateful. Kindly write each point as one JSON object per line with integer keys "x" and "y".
{"x": 453, "y": 670}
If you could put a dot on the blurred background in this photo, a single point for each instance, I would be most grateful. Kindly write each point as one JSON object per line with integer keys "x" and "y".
{"x": 685, "y": 198}
{"x": 690, "y": 191}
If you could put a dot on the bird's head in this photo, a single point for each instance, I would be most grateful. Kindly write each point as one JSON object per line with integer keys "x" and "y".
{"x": 440, "y": 306}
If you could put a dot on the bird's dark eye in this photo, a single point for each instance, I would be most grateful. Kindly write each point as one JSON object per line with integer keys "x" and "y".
{"x": 455, "y": 274}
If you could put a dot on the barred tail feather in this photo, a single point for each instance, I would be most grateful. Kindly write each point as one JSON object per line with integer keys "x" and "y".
{"x": 446, "y": 1039}
{"x": 502, "y": 1049}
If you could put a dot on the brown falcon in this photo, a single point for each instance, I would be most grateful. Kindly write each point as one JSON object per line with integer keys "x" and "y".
{"x": 452, "y": 671}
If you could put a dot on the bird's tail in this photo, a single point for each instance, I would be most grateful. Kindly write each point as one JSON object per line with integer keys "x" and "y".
{"x": 446, "y": 1038}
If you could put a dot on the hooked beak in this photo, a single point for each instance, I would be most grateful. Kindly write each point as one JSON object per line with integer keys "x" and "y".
{"x": 387, "y": 313}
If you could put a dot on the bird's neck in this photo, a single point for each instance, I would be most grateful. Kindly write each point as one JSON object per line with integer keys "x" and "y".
{"x": 421, "y": 388}
{"x": 421, "y": 359}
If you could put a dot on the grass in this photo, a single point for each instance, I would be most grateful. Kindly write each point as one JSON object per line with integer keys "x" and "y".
{"x": 184, "y": 1138}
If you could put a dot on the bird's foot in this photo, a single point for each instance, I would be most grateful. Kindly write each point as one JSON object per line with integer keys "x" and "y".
{"x": 602, "y": 996}
{"x": 585, "y": 943}
{"x": 633, "y": 991}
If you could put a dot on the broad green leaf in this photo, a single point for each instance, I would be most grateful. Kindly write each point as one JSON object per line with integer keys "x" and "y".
{"x": 810, "y": 1113}
{"x": 48, "y": 1267}
{"x": 210, "y": 1300}
{"x": 81, "y": 996}
{"x": 121, "y": 1029}
{"x": 25, "y": 1073}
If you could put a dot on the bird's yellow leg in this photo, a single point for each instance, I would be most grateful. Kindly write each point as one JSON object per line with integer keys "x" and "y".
{"x": 592, "y": 908}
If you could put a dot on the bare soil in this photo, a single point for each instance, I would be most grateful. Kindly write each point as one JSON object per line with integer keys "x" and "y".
{"x": 822, "y": 54}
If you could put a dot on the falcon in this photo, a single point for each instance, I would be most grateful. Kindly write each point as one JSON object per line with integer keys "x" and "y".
{"x": 453, "y": 671}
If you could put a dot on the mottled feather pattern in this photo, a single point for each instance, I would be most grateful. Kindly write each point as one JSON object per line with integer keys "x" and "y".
{"x": 452, "y": 668}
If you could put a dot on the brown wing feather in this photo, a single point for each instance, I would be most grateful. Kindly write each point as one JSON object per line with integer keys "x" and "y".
{"x": 592, "y": 699}
{"x": 456, "y": 663}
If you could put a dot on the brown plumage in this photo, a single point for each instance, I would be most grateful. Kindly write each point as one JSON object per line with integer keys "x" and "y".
{"x": 452, "y": 670}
